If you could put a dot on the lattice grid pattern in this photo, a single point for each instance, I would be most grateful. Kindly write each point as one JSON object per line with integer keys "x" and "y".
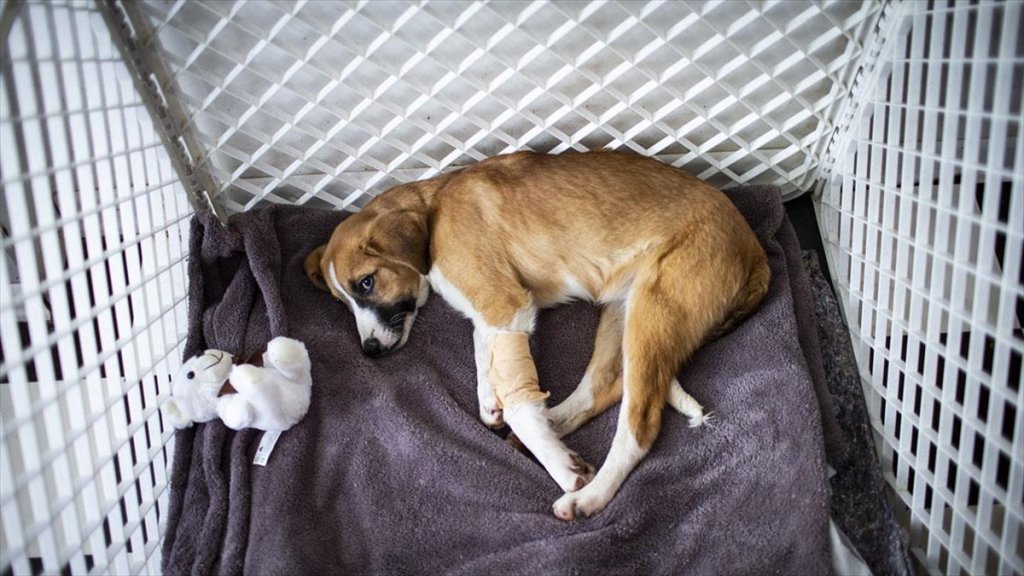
{"x": 293, "y": 101}
{"x": 92, "y": 301}
{"x": 923, "y": 217}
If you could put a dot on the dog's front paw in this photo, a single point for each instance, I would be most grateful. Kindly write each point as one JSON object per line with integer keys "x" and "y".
{"x": 573, "y": 474}
{"x": 584, "y": 472}
{"x": 491, "y": 415}
{"x": 577, "y": 505}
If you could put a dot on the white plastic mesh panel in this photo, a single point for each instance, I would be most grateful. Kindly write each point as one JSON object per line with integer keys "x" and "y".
{"x": 92, "y": 302}
{"x": 340, "y": 100}
{"x": 923, "y": 217}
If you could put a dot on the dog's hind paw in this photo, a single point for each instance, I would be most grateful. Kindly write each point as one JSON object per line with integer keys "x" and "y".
{"x": 578, "y": 505}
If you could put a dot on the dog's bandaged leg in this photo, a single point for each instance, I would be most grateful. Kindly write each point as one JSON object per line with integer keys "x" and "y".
{"x": 512, "y": 372}
{"x": 513, "y": 377}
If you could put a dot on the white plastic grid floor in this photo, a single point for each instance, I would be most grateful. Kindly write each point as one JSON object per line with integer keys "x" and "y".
{"x": 292, "y": 101}
{"x": 92, "y": 301}
{"x": 923, "y": 216}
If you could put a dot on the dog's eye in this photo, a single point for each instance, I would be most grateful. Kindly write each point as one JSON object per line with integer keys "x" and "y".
{"x": 190, "y": 375}
{"x": 366, "y": 284}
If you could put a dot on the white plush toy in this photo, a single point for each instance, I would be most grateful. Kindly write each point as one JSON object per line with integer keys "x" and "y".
{"x": 272, "y": 397}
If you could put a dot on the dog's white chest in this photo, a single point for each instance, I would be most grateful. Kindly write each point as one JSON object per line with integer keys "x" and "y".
{"x": 522, "y": 321}
{"x": 451, "y": 294}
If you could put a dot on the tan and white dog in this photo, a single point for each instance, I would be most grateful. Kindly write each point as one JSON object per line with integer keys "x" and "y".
{"x": 670, "y": 257}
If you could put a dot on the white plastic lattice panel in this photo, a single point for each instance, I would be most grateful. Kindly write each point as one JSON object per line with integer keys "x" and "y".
{"x": 92, "y": 301}
{"x": 340, "y": 100}
{"x": 923, "y": 217}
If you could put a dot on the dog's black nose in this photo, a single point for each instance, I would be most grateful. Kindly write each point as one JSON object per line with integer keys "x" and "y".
{"x": 371, "y": 347}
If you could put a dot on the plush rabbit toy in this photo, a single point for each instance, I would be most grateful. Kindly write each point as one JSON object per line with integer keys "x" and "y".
{"x": 274, "y": 396}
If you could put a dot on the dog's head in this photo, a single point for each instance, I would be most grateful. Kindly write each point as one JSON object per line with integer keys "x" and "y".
{"x": 376, "y": 264}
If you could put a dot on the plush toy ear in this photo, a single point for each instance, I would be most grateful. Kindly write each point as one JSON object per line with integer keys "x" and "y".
{"x": 312, "y": 267}
{"x": 176, "y": 415}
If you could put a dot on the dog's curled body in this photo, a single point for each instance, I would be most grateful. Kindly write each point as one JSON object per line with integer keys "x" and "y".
{"x": 670, "y": 257}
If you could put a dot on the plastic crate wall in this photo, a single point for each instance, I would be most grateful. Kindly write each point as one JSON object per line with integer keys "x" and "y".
{"x": 335, "y": 102}
{"x": 92, "y": 300}
{"x": 311, "y": 102}
{"x": 923, "y": 219}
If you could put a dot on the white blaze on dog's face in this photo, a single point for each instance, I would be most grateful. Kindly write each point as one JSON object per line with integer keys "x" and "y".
{"x": 375, "y": 264}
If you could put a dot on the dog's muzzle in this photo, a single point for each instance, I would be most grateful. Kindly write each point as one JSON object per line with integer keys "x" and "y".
{"x": 382, "y": 338}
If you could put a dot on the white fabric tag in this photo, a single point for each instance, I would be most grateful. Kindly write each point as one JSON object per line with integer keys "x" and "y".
{"x": 266, "y": 447}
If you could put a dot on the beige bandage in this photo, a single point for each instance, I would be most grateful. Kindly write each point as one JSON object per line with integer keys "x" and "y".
{"x": 512, "y": 373}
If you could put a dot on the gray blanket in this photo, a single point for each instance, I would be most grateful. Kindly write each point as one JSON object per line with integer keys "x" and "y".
{"x": 391, "y": 472}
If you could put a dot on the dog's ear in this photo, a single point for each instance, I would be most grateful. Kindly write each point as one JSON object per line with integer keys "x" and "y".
{"x": 312, "y": 267}
{"x": 401, "y": 236}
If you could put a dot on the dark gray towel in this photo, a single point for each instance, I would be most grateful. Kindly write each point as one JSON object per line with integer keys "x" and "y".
{"x": 860, "y": 503}
{"x": 391, "y": 472}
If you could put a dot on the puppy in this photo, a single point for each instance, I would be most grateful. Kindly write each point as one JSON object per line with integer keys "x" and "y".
{"x": 670, "y": 258}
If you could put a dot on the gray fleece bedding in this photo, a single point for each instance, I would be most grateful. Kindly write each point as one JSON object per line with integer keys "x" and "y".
{"x": 391, "y": 471}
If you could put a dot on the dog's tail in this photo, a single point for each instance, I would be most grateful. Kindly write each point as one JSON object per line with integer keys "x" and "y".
{"x": 747, "y": 299}
{"x": 687, "y": 405}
